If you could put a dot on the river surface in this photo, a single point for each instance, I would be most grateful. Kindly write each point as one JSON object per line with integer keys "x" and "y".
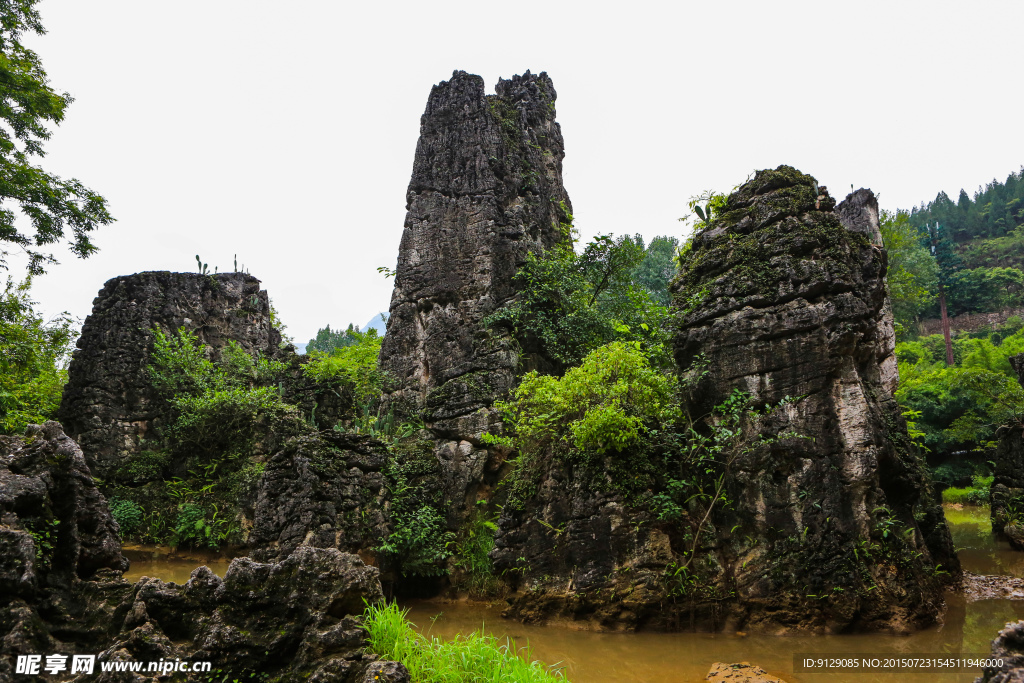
{"x": 589, "y": 657}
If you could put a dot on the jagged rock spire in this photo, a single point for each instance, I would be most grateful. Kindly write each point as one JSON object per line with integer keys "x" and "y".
{"x": 486, "y": 190}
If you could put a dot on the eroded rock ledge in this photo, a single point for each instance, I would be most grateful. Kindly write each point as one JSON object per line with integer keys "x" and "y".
{"x": 61, "y": 588}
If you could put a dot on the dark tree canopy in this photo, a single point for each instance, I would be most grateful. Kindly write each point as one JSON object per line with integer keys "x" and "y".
{"x": 51, "y": 206}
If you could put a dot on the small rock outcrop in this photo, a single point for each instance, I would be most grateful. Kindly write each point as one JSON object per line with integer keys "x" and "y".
{"x": 296, "y": 619}
{"x": 1007, "y": 492}
{"x": 740, "y": 673}
{"x": 1009, "y": 647}
{"x": 486, "y": 190}
{"x": 830, "y": 529}
{"x": 109, "y": 405}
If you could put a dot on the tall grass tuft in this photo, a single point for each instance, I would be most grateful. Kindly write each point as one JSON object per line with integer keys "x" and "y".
{"x": 476, "y": 658}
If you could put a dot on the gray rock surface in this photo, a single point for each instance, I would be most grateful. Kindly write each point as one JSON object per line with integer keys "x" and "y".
{"x": 296, "y": 619}
{"x": 1007, "y": 492}
{"x": 785, "y": 296}
{"x": 1008, "y": 646}
{"x": 486, "y": 190}
{"x": 109, "y": 405}
{"x": 832, "y": 531}
{"x": 61, "y": 588}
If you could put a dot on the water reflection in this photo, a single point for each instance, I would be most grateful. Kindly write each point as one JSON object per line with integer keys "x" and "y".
{"x": 589, "y": 657}
{"x": 979, "y": 551}
{"x": 169, "y": 565}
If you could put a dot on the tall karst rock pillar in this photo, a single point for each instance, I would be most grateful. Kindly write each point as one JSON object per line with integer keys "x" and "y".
{"x": 486, "y": 190}
{"x": 783, "y": 295}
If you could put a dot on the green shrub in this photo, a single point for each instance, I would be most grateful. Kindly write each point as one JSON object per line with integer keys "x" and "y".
{"x": 145, "y": 466}
{"x": 473, "y": 549}
{"x": 33, "y": 360}
{"x": 476, "y": 658}
{"x": 128, "y": 515}
{"x": 600, "y": 408}
{"x": 355, "y": 363}
{"x": 193, "y": 527}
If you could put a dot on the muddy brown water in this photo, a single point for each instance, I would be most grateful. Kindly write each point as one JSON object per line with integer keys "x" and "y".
{"x": 589, "y": 657}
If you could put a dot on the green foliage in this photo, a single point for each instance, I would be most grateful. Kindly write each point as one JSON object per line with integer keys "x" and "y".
{"x": 655, "y": 272}
{"x": 960, "y": 407}
{"x": 196, "y": 527}
{"x": 326, "y": 340}
{"x": 419, "y": 542}
{"x": 994, "y": 211}
{"x": 145, "y": 466}
{"x": 602, "y": 407}
{"x": 977, "y": 494}
{"x": 355, "y": 364}
{"x": 472, "y": 551}
{"x": 128, "y": 515}
{"x": 27, "y": 105}
{"x": 572, "y": 303}
{"x": 33, "y": 360}
{"x": 44, "y": 536}
{"x": 985, "y": 289}
{"x": 476, "y": 658}
{"x": 913, "y": 273}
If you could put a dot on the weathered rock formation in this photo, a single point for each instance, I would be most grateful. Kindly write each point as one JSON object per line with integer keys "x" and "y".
{"x": 781, "y": 295}
{"x": 61, "y": 589}
{"x": 1009, "y": 647}
{"x": 785, "y": 297}
{"x": 1007, "y": 491}
{"x": 322, "y": 490}
{"x": 60, "y": 557}
{"x": 109, "y": 405}
{"x": 296, "y": 620}
{"x": 486, "y": 190}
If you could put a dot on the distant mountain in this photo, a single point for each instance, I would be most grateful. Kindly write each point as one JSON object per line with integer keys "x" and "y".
{"x": 377, "y": 323}
{"x": 300, "y": 348}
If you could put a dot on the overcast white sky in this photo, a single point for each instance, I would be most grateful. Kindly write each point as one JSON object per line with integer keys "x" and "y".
{"x": 285, "y": 132}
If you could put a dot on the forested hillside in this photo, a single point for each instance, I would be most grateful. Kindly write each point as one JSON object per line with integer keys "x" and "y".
{"x": 968, "y": 255}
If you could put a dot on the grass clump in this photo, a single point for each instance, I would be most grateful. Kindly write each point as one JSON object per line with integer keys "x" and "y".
{"x": 476, "y": 658}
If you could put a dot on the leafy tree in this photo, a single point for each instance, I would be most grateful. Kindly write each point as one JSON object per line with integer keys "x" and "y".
{"x": 327, "y": 340}
{"x": 959, "y": 407}
{"x": 985, "y": 289}
{"x": 356, "y": 362}
{"x": 33, "y": 360}
{"x": 656, "y": 270}
{"x": 602, "y": 407}
{"x": 572, "y": 303}
{"x": 27, "y": 104}
{"x": 913, "y": 272}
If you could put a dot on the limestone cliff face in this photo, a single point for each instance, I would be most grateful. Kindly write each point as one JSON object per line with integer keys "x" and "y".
{"x": 486, "y": 190}
{"x": 109, "y": 404}
{"x": 1008, "y": 483}
{"x": 782, "y": 295}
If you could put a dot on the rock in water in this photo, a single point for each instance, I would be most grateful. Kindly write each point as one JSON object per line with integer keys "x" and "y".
{"x": 109, "y": 404}
{"x": 740, "y": 673}
{"x": 486, "y": 190}
{"x": 782, "y": 296}
{"x": 1009, "y": 647}
{"x": 1007, "y": 492}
